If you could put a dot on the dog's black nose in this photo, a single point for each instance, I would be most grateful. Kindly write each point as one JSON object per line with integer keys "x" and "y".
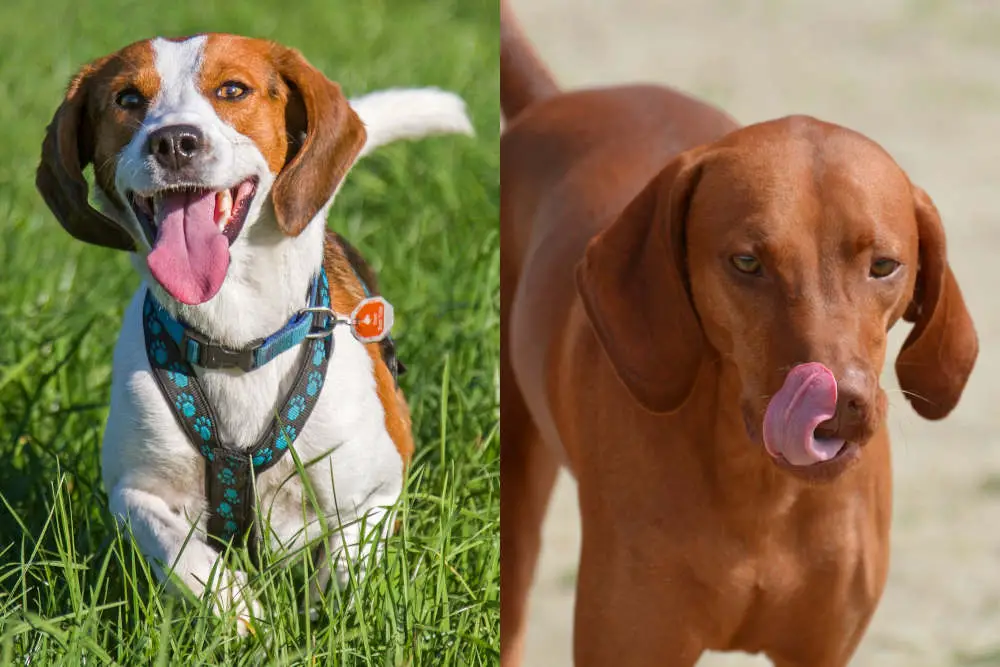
{"x": 175, "y": 146}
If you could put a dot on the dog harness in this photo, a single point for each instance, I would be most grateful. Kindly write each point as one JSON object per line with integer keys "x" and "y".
{"x": 173, "y": 348}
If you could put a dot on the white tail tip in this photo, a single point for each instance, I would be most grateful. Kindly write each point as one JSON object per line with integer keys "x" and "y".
{"x": 410, "y": 113}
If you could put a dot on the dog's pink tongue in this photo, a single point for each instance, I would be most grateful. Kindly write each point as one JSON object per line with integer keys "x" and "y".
{"x": 190, "y": 256}
{"x": 807, "y": 399}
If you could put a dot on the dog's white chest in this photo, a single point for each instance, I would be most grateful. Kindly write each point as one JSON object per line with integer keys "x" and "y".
{"x": 351, "y": 462}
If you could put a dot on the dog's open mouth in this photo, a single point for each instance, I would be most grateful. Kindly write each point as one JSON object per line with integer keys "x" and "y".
{"x": 231, "y": 207}
{"x": 190, "y": 230}
{"x": 829, "y": 468}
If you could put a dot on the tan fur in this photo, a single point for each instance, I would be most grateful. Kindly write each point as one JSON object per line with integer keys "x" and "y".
{"x": 346, "y": 292}
{"x": 132, "y": 67}
{"x": 331, "y": 134}
{"x": 259, "y": 115}
{"x": 89, "y": 127}
{"x": 638, "y": 354}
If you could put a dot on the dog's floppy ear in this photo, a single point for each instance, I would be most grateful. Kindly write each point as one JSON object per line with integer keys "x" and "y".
{"x": 68, "y": 148}
{"x": 325, "y": 139}
{"x": 633, "y": 282}
{"x": 938, "y": 355}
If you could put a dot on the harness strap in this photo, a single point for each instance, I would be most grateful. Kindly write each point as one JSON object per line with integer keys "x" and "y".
{"x": 197, "y": 350}
{"x": 230, "y": 472}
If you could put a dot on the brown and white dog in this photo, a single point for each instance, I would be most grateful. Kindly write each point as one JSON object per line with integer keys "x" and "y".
{"x": 216, "y": 158}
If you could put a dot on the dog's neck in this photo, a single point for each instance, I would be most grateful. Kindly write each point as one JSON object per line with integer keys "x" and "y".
{"x": 267, "y": 282}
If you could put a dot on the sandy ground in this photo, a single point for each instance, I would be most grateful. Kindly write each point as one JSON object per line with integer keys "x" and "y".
{"x": 922, "y": 78}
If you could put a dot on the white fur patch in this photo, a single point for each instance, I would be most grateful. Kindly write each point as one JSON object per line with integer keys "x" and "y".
{"x": 178, "y": 64}
{"x": 409, "y": 113}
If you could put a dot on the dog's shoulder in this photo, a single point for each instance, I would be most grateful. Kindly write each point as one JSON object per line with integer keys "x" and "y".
{"x": 352, "y": 279}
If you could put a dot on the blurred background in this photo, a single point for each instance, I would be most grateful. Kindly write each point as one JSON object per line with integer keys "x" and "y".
{"x": 921, "y": 77}
{"x": 425, "y": 216}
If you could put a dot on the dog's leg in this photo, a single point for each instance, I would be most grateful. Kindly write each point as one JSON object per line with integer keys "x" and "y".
{"x": 812, "y": 643}
{"x": 165, "y": 538}
{"x": 630, "y": 613}
{"x": 837, "y": 662}
{"x": 528, "y": 470}
{"x": 359, "y": 543}
{"x": 349, "y": 549}
{"x": 828, "y": 649}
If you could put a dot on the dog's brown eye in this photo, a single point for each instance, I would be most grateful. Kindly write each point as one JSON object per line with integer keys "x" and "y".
{"x": 130, "y": 99}
{"x": 232, "y": 91}
{"x": 883, "y": 268}
{"x": 746, "y": 264}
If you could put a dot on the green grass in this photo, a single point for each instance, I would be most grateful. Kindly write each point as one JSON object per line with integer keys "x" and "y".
{"x": 72, "y": 589}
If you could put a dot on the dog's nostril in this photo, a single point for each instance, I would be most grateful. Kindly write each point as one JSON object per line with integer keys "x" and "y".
{"x": 162, "y": 146}
{"x": 188, "y": 144}
{"x": 854, "y": 389}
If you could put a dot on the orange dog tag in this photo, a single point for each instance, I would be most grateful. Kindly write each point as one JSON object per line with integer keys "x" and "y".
{"x": 371, "y": 321}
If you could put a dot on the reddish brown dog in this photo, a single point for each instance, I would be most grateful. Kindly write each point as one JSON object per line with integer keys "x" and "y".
{"x": 694, "y": 323}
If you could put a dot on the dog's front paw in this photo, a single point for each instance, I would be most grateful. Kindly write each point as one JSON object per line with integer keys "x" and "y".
{"x": 245, "y": 626}
{"x": 234, "y": 595}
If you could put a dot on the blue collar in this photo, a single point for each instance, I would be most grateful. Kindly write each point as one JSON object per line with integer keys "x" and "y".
{"x": 196, "y": 349}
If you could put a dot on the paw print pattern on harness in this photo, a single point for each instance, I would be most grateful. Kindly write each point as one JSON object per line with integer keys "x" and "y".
{"x": 158, "y": 351}
{"x": 177, "y": 375}
{"x": 314, "y": 384}
{"x": 225, "y": 510}
{"x": 296, "y": 407}
{"x": 262, "y": 456}
{"x": 203, "y": 425}
{"x": 185, "y": 404}
{"x": 285, "y": 437}
{"x": 319, "y": 354}
{"x": 227, "y": 477}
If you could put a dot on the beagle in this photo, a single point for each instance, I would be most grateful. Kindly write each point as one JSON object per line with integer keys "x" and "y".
{"x": 216, "y": 158}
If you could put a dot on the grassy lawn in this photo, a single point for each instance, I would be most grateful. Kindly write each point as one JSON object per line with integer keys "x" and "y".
{"x": 72, "y": 589}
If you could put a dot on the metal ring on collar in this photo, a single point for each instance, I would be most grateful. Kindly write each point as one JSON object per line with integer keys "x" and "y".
{"x": 326, "y": 331}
